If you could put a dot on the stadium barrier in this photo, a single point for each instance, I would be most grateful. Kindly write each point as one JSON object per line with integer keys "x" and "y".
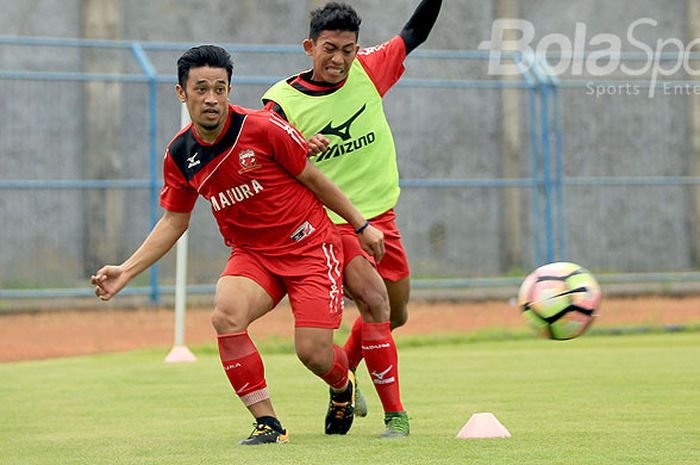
{"x": 549, "y": 113}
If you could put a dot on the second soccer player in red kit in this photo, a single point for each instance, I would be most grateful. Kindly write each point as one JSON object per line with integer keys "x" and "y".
{"x": 251, "y": 166}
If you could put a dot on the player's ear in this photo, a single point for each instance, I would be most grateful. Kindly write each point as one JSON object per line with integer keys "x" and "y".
{"x": 308, "y": 45}
{"x": 181, "y": 94}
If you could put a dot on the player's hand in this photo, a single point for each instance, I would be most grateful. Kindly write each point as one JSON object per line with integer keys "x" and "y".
{"x": 372, "y": 242}
{"x": 318, "y": 144}
{"x": 108, "y": 281}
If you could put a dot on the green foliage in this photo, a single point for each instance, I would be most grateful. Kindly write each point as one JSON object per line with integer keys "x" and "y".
{"x": 596, "y": 400}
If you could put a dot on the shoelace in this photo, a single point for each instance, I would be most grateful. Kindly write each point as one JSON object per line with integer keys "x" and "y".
{"x": 260, "y": 429}
{"x": 340, "y": 408}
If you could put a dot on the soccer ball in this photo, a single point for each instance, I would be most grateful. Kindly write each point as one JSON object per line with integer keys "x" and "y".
{"x": 560, "y": 299}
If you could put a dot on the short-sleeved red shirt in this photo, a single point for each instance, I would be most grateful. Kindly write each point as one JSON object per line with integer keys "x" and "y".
{"x": 248, "y": 176}
{"x": 384, "y": 63}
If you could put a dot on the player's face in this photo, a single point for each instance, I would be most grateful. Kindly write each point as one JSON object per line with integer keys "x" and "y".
{"x": 206, "y": 95}
{"x": 332, "y": 54}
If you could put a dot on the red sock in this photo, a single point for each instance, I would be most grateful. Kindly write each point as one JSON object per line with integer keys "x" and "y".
{"x": 337, "y": 376}
{"x": 353, "y": 346}
{"x": 244, "y": 367}
{"x": 382, "y": 361}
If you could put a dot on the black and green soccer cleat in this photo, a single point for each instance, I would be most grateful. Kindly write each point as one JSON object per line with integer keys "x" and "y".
{"x": 341, "y": 409}
{"x": 396, "y": 425}
{"x": 265, "y": 434}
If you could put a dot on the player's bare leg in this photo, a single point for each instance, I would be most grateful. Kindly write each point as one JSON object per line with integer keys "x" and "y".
{"x": 239, "y": 301}
{"x": 372, "y": 302}
{"x": 314, "y": 347}
{"x": 371, "y": 337}
{"x": 367, "y": 289}
{"x": 316, "y": 350}
{"x": 399, "y": 293}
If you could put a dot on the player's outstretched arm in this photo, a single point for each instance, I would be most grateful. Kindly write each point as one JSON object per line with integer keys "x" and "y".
{"x": 111, "y": 279}
{"x": 417, "y": 29}
{"x": 371, "y": 239}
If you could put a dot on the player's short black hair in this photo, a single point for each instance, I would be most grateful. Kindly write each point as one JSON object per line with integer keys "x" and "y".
{"x": 203, "y": 55}
{"x": 334, "y": 16}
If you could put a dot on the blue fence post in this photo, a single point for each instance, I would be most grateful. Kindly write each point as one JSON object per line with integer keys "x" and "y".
{"x": 534, "y": 152}
{"x": 547, "y": 174}
{"x": 545, "y": 89}
{"x": 559, "y": 173}
{"x": 535, "y": 149}
{"x": 150, "y": 71}
{"x": 551, "y": 83}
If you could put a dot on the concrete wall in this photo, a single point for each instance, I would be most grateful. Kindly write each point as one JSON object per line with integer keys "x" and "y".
{"x": 439, "y": 134}
{"x": 613, "y": 228}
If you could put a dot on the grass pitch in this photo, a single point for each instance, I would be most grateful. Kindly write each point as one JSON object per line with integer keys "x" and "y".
{"x": 632, "y": 399}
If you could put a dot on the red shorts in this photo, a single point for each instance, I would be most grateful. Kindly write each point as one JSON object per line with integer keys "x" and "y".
{"x": 394, "y": 265}
{"x": 313, "y": 278}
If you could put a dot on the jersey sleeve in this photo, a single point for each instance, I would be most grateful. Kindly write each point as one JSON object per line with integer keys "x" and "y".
{"x": 289, "y": 148}
{"x": 384, "y": 63}
{"x": 271, "y": 105}
{"x": 177, "y": 195}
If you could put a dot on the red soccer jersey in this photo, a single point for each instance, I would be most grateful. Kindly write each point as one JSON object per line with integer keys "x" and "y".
{"x": 384, "y": 63}
{"x": 248, "y": 177}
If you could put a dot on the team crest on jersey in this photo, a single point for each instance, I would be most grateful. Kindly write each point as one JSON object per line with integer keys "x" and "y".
{"x": 302, "y": 231}
{"x": 248, "y": 161}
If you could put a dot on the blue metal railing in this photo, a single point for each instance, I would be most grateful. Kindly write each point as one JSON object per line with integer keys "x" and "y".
{"x": 547, "y": 182}
{"x": 140, "y": 51}
{"x": 150, "y": 71}
{"x": 560, "y": 182}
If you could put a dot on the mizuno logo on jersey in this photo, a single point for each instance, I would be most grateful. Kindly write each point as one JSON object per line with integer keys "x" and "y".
{"x": 344, "y": 148}
{"x": 192, "y": 161}
{"x": 347, "y": 144}
{"x": 342, "y": 131}
{"x": 235, "y": 195}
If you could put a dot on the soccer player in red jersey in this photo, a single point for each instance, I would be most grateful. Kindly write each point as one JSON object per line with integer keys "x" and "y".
{"x": 267, "y": 198}
{"x": 337, "y": 106}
